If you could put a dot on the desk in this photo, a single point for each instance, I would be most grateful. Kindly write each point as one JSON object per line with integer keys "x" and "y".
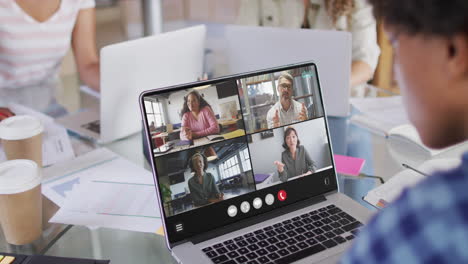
{"x": 227, "y": 122}
{"x": 163, "y": 135}
{"x": 132, "y": 247}
{"x": 198, "y": 142}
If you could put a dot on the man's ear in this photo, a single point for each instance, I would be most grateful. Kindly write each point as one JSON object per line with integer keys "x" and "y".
{"x": 458, "y": 56}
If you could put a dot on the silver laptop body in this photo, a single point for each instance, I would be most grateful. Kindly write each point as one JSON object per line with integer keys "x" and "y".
{"x": 130, "y": 67}
{"x": 196, "y": 234}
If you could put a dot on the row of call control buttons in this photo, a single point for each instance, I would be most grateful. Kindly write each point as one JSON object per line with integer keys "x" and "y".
{"x": 257, "y": 203}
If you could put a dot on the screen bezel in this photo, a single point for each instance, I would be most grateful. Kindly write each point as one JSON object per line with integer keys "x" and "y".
{"x": 317, "y": 180}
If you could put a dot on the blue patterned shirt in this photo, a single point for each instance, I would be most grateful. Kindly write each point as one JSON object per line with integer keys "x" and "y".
{"x": 427, "y": 224}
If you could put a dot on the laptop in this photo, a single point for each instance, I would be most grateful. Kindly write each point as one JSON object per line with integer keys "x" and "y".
{"x": 130, "y": 67}
{"x": 230, "y": 201}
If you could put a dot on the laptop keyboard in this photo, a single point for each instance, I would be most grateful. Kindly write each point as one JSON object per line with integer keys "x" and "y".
{"x": 288, "y": 241}
{"x": 94, "y": 126}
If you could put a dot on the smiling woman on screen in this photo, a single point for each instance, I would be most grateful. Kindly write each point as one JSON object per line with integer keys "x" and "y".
{"x": 198, "y": 119}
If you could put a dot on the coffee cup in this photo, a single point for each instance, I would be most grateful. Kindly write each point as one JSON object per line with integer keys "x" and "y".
{"x": 20, "y": 201}
{"x": 22, "y": 138}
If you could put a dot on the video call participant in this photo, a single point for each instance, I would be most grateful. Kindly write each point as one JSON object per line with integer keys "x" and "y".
{"x": 295, "y": 160}
{"x": 287, "y": 110}
{"x": 198, "y": 119}
{"x": 202, "y": 185}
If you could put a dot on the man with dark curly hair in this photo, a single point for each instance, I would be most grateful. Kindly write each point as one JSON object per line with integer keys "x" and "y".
{"x": 428, "y": 223}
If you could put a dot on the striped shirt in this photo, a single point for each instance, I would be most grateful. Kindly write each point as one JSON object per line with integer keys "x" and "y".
{"x": 31, "y": 51}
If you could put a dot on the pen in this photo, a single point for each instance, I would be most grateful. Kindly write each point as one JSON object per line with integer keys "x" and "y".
{"x": 411, "y": 168}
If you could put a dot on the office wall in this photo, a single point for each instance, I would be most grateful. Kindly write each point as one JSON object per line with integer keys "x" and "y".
{"x": 183, "y": 186}
{"x": 211, "y": 95}
{"x": 312, "y": 135}
{"x": 263, "y": 152}
{"x": 174, "y": 106}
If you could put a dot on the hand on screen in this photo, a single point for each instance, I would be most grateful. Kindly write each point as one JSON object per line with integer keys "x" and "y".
{"x": 303, "y": 114}
{"x": 276, "y": 119}
{"x": 219, "y": 197}
{"x": 279, "y": 165}
{"x": 5, "y": 113}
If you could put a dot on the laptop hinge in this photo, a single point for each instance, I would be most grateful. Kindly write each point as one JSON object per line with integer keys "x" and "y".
{"x": 256, "y": 219}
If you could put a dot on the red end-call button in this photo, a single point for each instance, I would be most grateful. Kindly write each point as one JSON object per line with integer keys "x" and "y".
{"x": 282, "y": 195}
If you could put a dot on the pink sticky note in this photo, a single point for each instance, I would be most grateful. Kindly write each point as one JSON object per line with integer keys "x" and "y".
{"x": 348, "y": 165}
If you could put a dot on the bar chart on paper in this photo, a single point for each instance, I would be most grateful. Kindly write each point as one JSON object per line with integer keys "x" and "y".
{"x": 127, "y": 206}
{"x": 101, "y": 189}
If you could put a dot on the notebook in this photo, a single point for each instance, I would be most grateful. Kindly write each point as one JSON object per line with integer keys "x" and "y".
{"x": 391, "y": 190}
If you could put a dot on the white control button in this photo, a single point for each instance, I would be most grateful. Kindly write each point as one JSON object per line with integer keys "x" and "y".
{"x": 257, "y": 203}
{"x": 245, "y": 207}
{"x": 269, "y": 199}
{"x": 232, "y": 211}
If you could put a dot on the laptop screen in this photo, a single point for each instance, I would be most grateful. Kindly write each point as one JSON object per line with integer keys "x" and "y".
{"x": 232, "y": 148}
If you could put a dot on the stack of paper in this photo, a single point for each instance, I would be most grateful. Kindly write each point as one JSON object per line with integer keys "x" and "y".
{"x": 387, "y": 116}
{"x": 102, "y": 189}
{"x": 379, "y": 114}
{"x": 56, "y": 144}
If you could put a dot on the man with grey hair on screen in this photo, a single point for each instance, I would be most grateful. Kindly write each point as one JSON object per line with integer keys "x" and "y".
{"x": 287, "y": 110}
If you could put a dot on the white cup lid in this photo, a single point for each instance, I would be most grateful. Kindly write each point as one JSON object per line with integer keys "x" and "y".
{"x": 18, "y": 176}
{"x": 20, "y": 127}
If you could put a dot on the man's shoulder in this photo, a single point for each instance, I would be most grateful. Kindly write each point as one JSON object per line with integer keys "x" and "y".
{"x": 420, "y": 220}
{"x": 438, "y": 200}
{"x": 445, "y": 189}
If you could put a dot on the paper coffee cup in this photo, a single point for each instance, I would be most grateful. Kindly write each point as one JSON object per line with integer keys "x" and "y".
{"x": 20, "y": 201}
{"x": 22, "y": 138}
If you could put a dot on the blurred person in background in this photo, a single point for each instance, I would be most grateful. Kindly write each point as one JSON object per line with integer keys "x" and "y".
{"x": 354, "y": 16}
{"x": 34, "y": 38}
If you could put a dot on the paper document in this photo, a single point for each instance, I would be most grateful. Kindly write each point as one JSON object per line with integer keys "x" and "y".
{"x": 392, "y": 189}
{"x": 56, "y": 145}
{"x": 119, "y": 205}
{"x": 100, "y": 164}
{"x": 102, "y": 189}
{"x": 379, "y": 114}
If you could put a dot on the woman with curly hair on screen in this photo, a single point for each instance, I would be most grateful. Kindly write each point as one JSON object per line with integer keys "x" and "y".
{"x": 198, "y": 119}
